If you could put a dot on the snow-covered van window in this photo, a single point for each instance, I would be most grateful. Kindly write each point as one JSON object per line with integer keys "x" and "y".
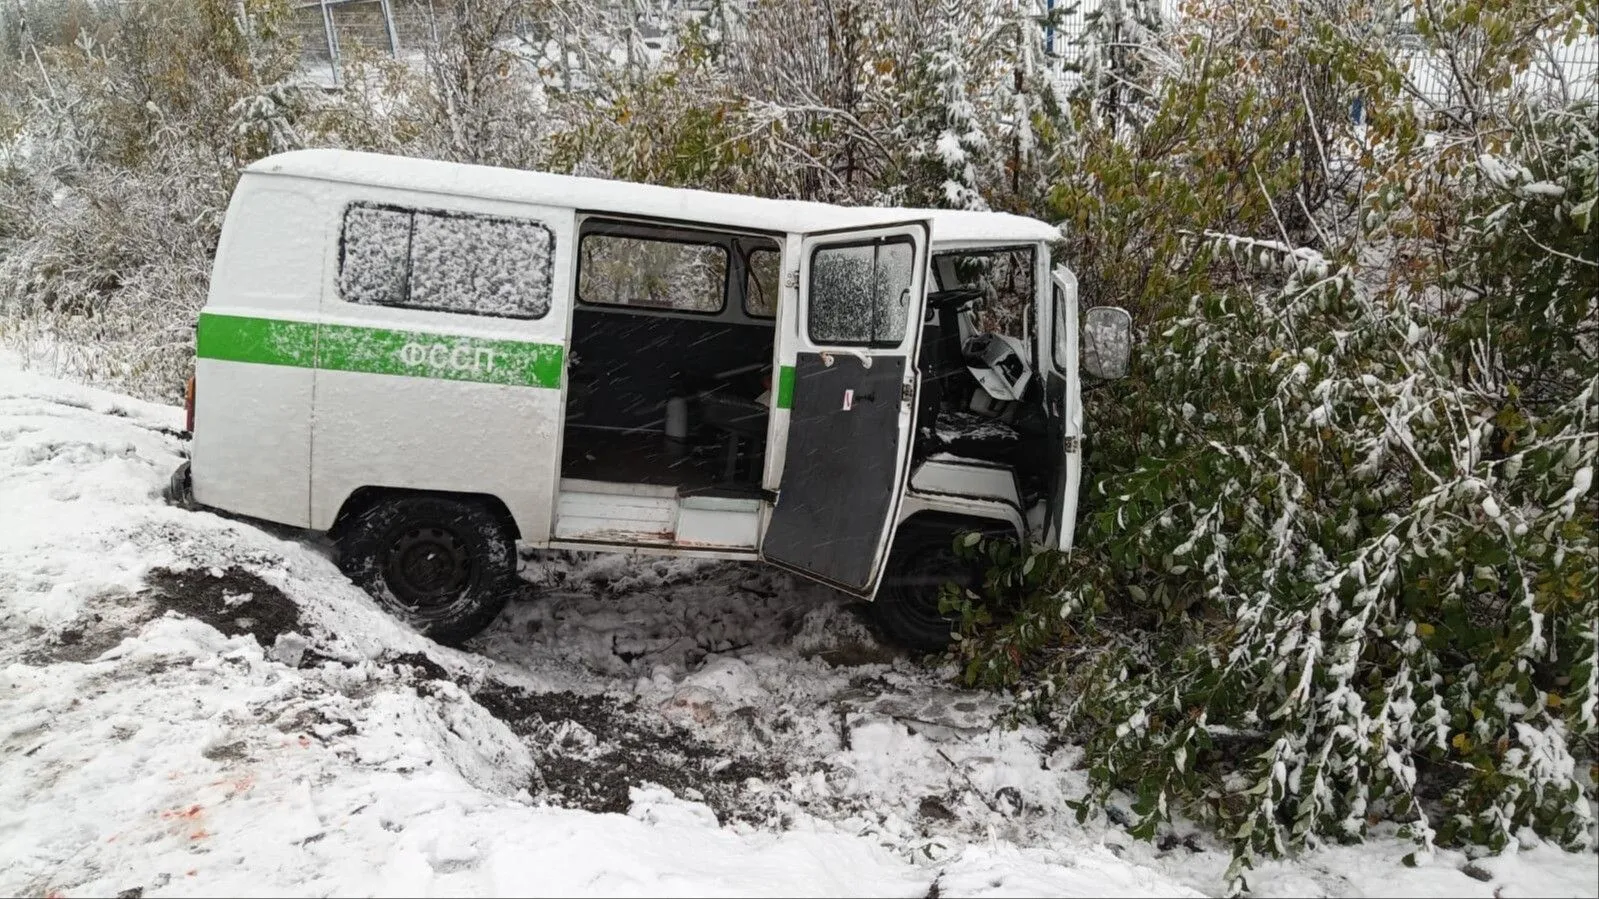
{"x": 446, "y": 261}
{"x": 760, "y": 283}
{"x": 623, "y": 270}
{"x": 860, "y": 293}
{"x": 373, "y": 258}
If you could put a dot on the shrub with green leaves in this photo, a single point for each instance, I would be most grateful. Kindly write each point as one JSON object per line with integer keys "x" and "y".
{"x": 1352, "y": 572}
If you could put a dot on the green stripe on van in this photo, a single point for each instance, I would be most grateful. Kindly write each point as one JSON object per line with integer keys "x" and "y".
{"x": 267, "y": 341}
{"x": 418, "y": 354}
{"x": 380, "y": 352}
{"x": 785, "y": 387}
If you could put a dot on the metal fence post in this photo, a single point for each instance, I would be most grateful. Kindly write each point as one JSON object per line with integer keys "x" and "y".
{"x": 333, "y": 41}
{"x": 388, "y": 23}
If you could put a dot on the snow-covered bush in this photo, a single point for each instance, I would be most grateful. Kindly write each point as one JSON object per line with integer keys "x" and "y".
{"x": 121, "y": 141}
{"x": 1351, "y": 574}
{"x": 128, "y": 143}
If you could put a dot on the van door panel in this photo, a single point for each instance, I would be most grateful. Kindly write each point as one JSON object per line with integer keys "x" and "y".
{"x": 1063, "y": 408}
{"x": 845, "y": 406}
{"x": 843, "y": 448}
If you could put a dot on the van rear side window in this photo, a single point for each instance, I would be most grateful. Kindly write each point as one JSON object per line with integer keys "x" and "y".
{"x": 446, "y": 261}
{"x": 628, "y": 270}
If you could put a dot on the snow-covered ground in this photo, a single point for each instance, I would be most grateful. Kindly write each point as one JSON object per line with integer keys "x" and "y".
{"x": 191, "y": 705}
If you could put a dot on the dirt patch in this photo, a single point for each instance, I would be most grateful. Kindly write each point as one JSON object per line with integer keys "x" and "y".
{"x": 234, "y": 602}
{"x": 420, "y": 661}
{"x": 592, "y": 749}
{"x": 856, "y": 654}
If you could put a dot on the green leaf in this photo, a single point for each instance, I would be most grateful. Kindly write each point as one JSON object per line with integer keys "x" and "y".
{"x": 1582, "y": 215}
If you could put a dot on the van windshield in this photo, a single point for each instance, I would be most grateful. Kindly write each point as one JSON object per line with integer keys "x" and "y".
{"x": 1006, "y": 277}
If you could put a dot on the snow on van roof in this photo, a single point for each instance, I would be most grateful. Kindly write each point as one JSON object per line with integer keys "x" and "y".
{"x": 645, "y": 200}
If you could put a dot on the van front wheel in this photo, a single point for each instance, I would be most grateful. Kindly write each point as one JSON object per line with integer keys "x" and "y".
{"x": 444, "y": 565}
{"x": 906, "y": 609}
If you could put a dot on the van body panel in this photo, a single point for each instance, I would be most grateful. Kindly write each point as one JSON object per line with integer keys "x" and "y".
{"x": 599, "y": 512}
{"x": 254, "y": 350}
{"x": 917, "y": 503}
{"x": 427, "y": 434}
{"x": 969, "y": 479}
{"x": 265, "y": 474}
{"x": 965, "y": 488}
{"x": 434, "y": 400}
{"x": 655, "y": 549}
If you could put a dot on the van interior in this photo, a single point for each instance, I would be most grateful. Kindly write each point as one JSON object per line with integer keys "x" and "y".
{"x": 975, "y": 329}
{"x": 670, "y": 370}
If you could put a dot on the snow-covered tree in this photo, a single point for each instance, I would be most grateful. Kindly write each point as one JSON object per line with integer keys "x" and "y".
{"x": 1113, "y": 60}
{"x": 959, "y": 145}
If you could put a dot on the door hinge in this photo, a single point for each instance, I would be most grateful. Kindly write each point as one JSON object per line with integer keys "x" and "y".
{"x": 1071, "y": 444}
{"x": 791, "y": 279}
{"x": 907, "y": 392}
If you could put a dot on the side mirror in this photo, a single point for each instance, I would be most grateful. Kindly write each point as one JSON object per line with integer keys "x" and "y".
{"x": 1107, "y": 343}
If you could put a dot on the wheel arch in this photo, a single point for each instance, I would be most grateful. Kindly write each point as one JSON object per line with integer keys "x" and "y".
{"x": 919, "y": 512}
{"x": 367, "y": 497}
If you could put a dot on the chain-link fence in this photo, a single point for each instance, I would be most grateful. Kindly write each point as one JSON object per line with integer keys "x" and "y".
{"x": 328, "y": 29}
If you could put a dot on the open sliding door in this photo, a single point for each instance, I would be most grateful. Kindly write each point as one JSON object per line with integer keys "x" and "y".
{"x": 861, "y": 295}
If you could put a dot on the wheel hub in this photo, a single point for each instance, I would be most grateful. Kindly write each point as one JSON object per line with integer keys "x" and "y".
{"x": 427, "y": 567}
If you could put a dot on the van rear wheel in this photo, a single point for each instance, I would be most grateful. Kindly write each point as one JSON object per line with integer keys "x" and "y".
{"x": 443, "y": 565}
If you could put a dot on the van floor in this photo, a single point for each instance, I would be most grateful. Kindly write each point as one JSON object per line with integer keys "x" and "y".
{"x": 639, "y": 457}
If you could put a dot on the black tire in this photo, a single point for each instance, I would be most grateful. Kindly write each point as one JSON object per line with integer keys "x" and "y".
{"x": 922, "y": 561}
{"x": 443, "y": 565}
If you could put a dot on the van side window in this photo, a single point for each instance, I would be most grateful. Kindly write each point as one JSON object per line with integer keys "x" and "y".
{"x": 374, "y": 257}
{"x": 655, "y": 273}
{"x": 860, "y": 293}
{"x": 446, "y": 261}
{"x": 761, "y": 281}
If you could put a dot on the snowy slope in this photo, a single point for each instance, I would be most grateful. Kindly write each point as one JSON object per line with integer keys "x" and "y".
{"x": 194, "y": 706}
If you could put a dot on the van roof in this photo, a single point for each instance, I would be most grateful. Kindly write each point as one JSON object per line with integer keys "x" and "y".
{"x": 645, "y": 200}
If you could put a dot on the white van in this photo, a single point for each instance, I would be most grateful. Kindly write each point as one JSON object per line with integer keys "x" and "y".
{"x": 432, "y": 362}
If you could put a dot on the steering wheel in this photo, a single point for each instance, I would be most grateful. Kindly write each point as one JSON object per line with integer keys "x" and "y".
{"x": 972, "y": 350}
{"x": 954, "y": 298}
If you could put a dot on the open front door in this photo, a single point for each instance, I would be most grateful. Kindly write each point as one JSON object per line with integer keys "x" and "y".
{"x": 861, "y": 297}
{"x": 1063, "y": 407}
